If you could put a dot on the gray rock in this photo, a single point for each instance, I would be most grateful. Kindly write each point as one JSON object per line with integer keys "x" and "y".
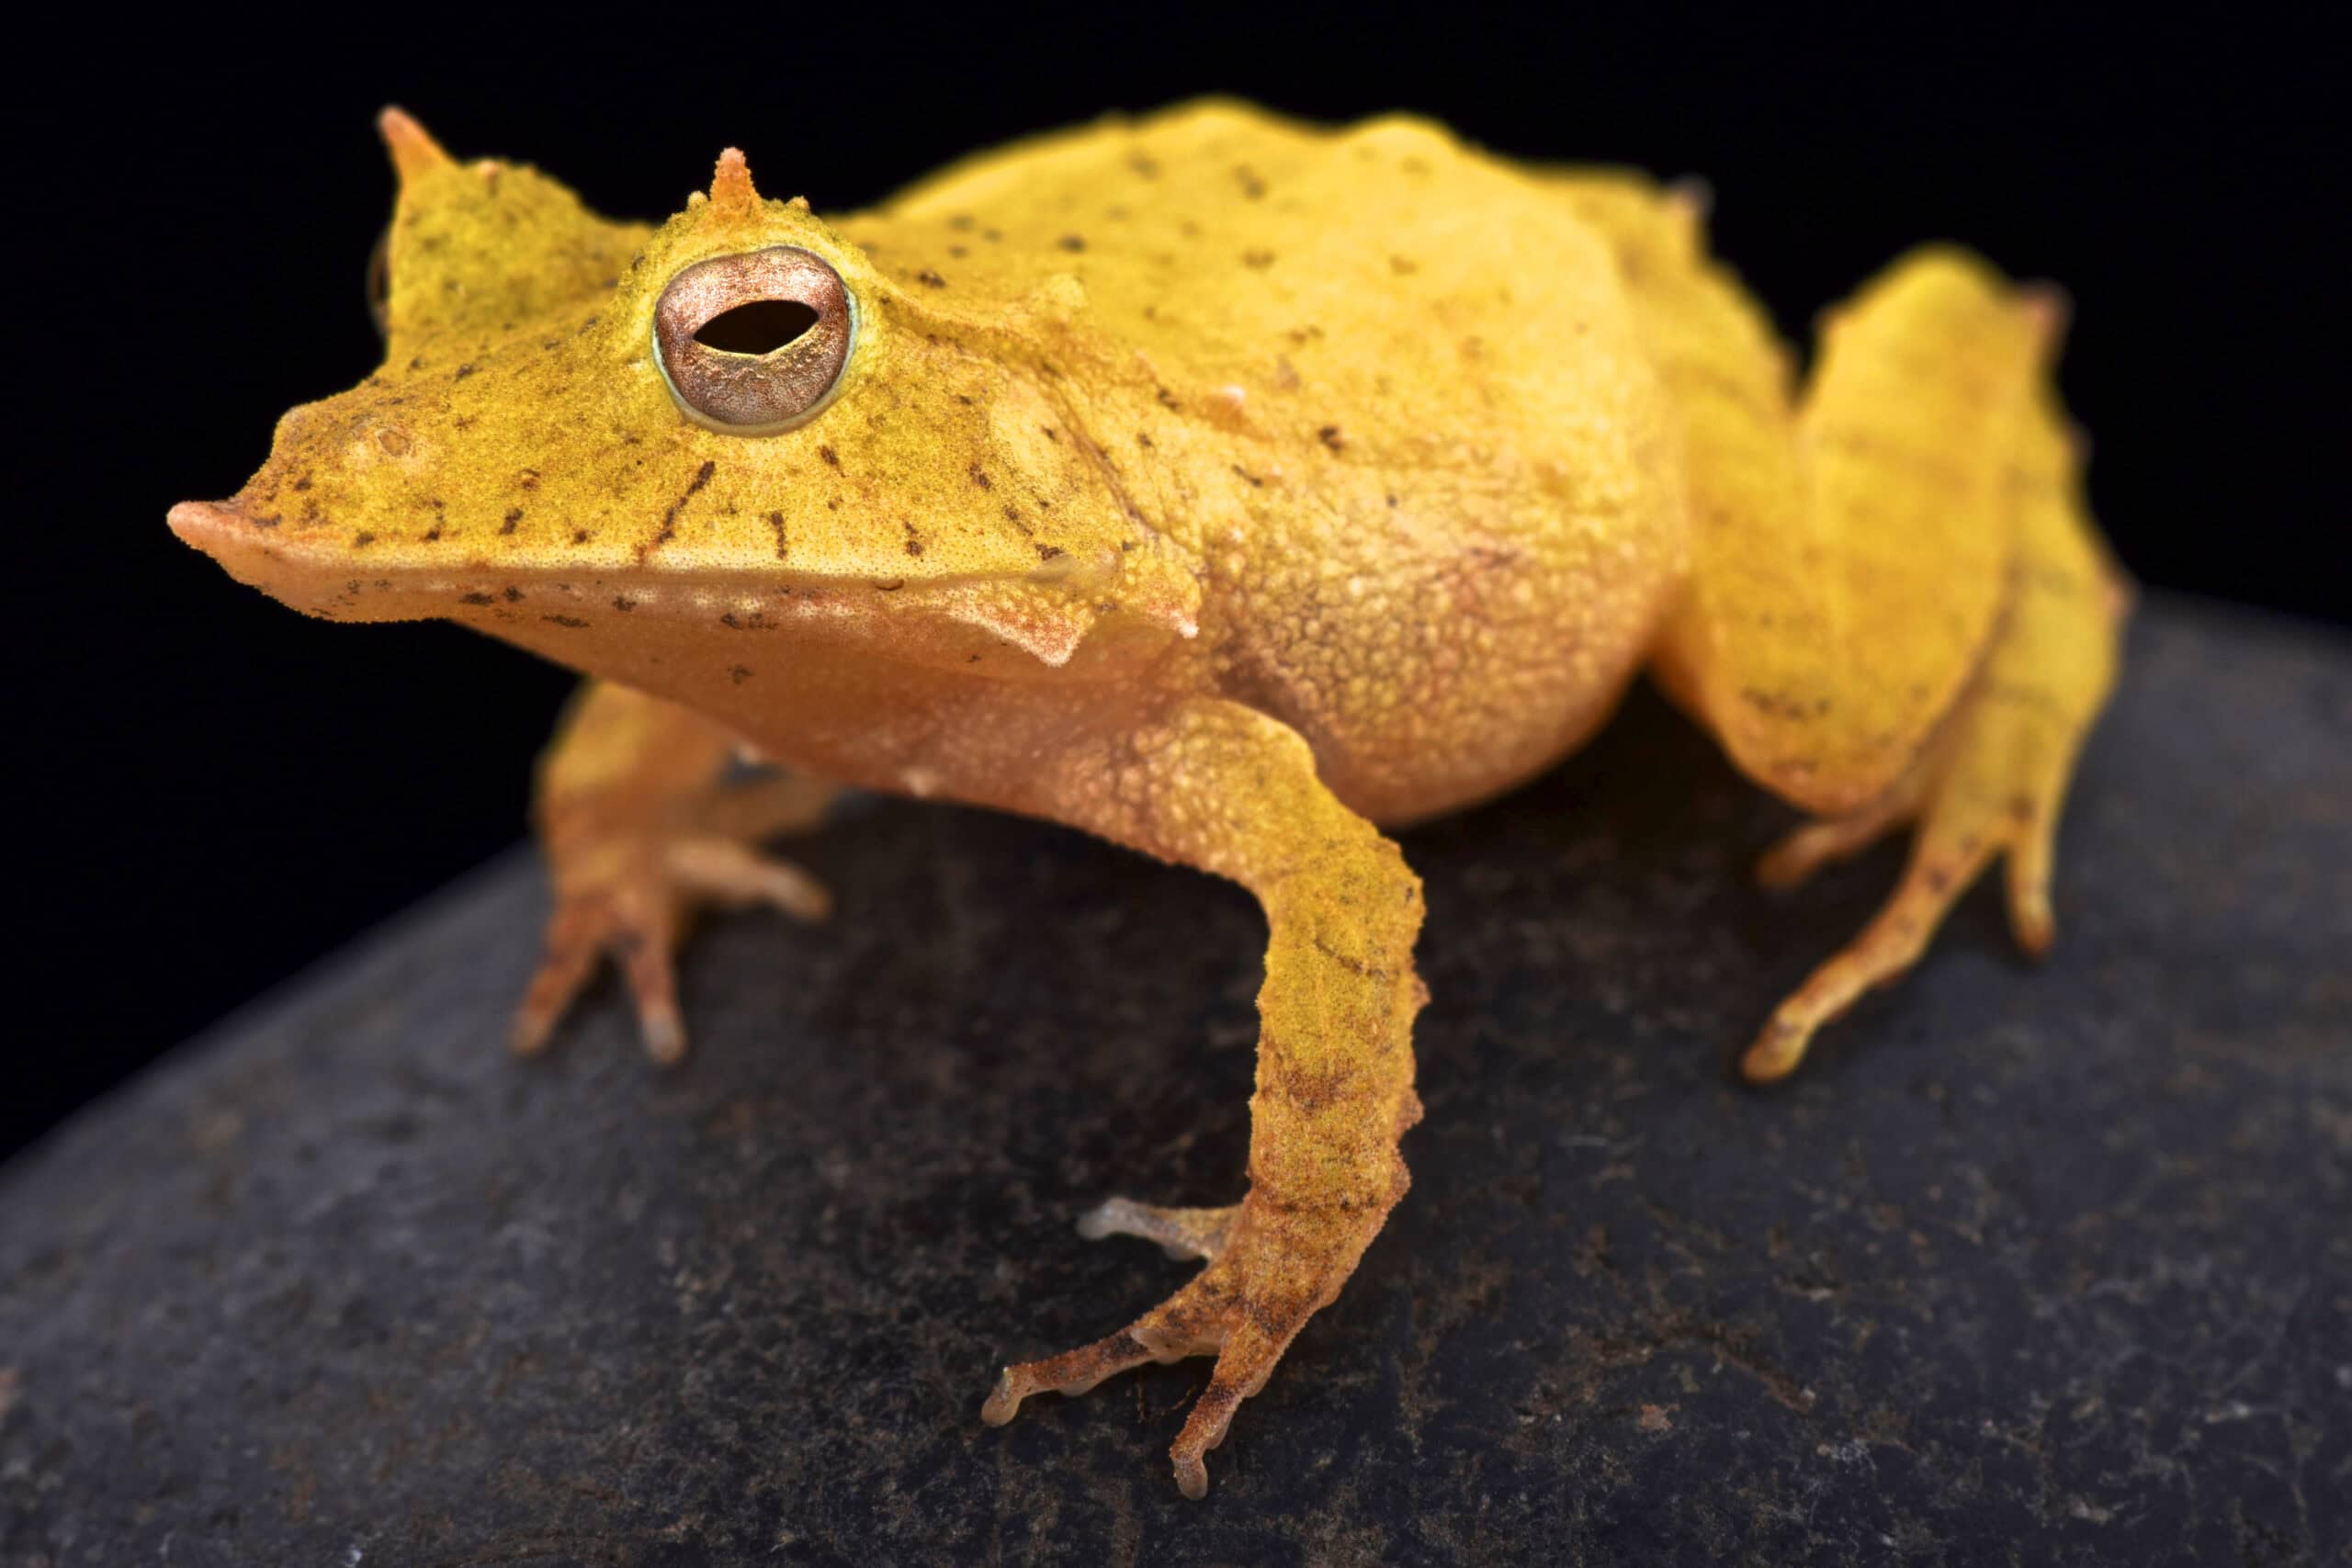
{"x": 2028, "y": 1266}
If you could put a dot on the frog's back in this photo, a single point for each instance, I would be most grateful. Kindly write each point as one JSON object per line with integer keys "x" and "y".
{"x": 1384, "y": 386}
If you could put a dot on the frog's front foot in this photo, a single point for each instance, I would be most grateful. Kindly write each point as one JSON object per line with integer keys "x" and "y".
{"x": 631, "y": 893}
{"x": 1270, "y": 1269}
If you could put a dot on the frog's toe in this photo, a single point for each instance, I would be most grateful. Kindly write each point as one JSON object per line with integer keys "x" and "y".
{"x": 637, "y": 930}
{"x": 647, "y": 953}
{"x": 574, "y": 945}
{"x": 2031, "y": 921}
{"x": 1793, "y": 861}
{"x": 1826, "y": 842}
{"x": 1074, "y": 1372}
{"x": 730, "y": 871}
{"x": 1181, "y": 1233}
{"x": 1942, "y": 867}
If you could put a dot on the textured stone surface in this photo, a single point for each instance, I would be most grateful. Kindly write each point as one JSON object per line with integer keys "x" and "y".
{"x": 2032, "y": 1267}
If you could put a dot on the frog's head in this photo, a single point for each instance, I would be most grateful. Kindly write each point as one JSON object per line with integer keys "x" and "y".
{"x": 730, "y": 421}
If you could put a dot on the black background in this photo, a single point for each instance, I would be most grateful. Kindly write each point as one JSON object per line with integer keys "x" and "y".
{"x": 213, "y": 791}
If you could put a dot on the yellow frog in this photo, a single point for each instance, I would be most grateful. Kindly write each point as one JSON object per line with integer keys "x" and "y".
{"x": 1232, "y": 489}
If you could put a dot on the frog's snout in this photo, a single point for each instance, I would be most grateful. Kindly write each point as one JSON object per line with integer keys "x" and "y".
{"x": 226, "y": 530}
{"x": 211, "y": 526}
{"x": 259, "y": 552}
{"x": 223, "y": 530}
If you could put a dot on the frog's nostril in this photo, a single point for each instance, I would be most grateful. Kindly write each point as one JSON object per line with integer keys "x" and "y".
{"x": 761, "y": 326}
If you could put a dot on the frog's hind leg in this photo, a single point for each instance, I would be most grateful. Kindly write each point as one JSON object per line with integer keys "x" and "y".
{"x": 1993, "y": 781}
{"x": 1896, "y": 609}
{"x": 640, "y": 830}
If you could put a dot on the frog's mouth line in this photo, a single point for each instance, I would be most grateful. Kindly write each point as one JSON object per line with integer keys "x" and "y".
{"x": 335, "y": 581}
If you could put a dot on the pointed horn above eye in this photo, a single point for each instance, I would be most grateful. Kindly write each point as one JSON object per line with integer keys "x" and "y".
{"x": 731, "y": 187}
{"x": 411, "y": 146}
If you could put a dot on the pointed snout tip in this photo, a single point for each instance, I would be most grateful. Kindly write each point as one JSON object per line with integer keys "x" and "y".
{"x": 202, "y": 524}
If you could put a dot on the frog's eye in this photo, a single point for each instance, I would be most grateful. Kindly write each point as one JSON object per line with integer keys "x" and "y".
{"x": 753, "y": 345}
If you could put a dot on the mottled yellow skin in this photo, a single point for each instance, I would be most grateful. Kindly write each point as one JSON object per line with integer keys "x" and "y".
{"x": 1225, "y": 487}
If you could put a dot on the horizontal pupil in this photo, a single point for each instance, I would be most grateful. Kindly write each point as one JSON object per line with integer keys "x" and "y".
{"x": 761, "y": 326}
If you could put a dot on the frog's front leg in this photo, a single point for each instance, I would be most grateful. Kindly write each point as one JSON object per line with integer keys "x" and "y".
{"x": 1224, "y": 788}
{"x": 640, "y": 829}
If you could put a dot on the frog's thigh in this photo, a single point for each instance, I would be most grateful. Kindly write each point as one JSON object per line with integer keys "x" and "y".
{"x": 1850, "y": 566}
{"x": 1993, "y": 782}
{"x": 639, "y": 829}
{"x": 1228, "y": 790}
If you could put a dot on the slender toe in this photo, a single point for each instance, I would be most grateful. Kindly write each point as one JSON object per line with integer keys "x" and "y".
{"x": 1181, "y": 1233}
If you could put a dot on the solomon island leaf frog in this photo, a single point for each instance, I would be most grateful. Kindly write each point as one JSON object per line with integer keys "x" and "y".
{"x": 1234, "y": 489}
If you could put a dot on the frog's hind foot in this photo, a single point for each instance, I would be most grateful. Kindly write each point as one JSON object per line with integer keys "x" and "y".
{"x": 1270, "y": 1269}
{"x": 1993, "y": 788}
{"x": 1953, "y": 847}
